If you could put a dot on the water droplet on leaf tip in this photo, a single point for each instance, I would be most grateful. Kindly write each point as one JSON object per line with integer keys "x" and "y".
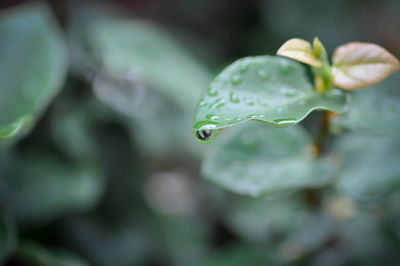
{"x": 204, "y": 135}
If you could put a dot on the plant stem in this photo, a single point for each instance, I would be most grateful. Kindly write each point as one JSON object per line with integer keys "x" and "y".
{"x": 319, "y": 142}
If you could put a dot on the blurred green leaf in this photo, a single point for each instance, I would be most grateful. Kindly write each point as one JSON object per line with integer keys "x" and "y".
{"x": 8, "y": 236}
{"x": 104, "y": 244}
{"x": 35, "y": 254}
{"x": 370, "y": 168}
{"x": 258, "y": 160}
{"x": 40, "y": 187}
{"x": 32, "y": 65}
{"x": 375, "y": 109}
{"x": 261, "y": 220}
{"x": 269, "y": 89}
{"x": 239, "y": 255}
{"x": 141, "y": 50}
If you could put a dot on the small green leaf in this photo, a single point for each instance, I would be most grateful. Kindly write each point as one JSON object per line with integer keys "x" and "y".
{"x": 32, "y": 65}
{"x": 357, "y": 65}
{"x": 8, "y": 236}
{"x": 270, "y": 89}
{"x": 301, "y": 50}
{"x": 258, "y": 160}
{"x": 370, "y": 166}
{"x": 375, "y": 109}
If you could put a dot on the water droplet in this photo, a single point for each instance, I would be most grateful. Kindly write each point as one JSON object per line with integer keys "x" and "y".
{"x": 288, "y": 92}
{"x": 236, "y": 79}
{"x": 279, "y": 109}
{"x": 285, "y": 121}
{"x": 212, "y": 91}
{"x": 213, "y": 117}
{"x": 257, "y": 116}
{"x": 249, "y": 101}
{"x": 262, "y": 103}
{"x": 244, "y": 67}
{"x": 204, "y": 135}
{"x": 218, "y": 103}
{"x": 234, "y": 98}
{"x": 202, "y": 103}
{"x": 262, "y": 74}
{"x": 285, "y": 68}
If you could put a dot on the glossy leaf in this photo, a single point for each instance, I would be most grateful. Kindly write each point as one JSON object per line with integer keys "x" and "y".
{"x": 357, "y": 65}
{"x": 269, "y": 89}
{"x": 8, "y": 236}
{"x": 32, "y": 65}
{"x": 299, "y": 50}
{"x": 257, "y": 160}
{"x": 375, "y": 109}
{"x": 142, "y": 51}
{"x": 40, "y": 188}
{"x": 371, "y": 168}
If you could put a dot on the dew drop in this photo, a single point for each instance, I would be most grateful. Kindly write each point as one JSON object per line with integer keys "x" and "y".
{"x": 204, "y": 135}
{"x": 288, "y": 92}
{"x": 236, "y": 79}
{"x": 212, "y": 91}
{"x": 262, "y": 74}
{"x": 262, "y": 103}
{"x": 285, "y": 121}
{"x": 285, "y": 68}
{"x": 213, "y": 117}
{"x": 202, "y": 103}
{"x": 218, "y": 103}
{"x": 244, "y": 67}
{"x": 234, "y": 97}
{"x": 249, "y": 101}
{"x": 279, "y": 109}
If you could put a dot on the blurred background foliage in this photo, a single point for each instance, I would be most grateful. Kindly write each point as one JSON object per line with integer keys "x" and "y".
{"x": 105, "y": 170}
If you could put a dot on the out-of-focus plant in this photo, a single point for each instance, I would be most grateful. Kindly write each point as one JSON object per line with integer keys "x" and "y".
{"x": 98, "y": 165}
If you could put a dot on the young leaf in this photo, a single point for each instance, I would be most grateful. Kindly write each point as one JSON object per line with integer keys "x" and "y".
{"x": 357, "y": 65}
{"x": 375, "y": 109}
{"x": 270, "y": 89}
{"x": 258, "y": 160}
{"x": 300, "y": 50}
{"x": 32, "y": 65}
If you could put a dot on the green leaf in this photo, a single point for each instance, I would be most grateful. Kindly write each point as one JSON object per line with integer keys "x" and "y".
{"x": 371, "y": 168}
{"x": 257, "y": 160}
{"x": 32, "y": 65}
{"x": 36, "y": 254}
{"x": 260, "y": 220}
{"x": 375, "y": 109}
{"x": 8, "y": 236}
{"x": 269, "y": 89}
{"x": 39, "y": 187}
{"x": 142, "y": 51}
